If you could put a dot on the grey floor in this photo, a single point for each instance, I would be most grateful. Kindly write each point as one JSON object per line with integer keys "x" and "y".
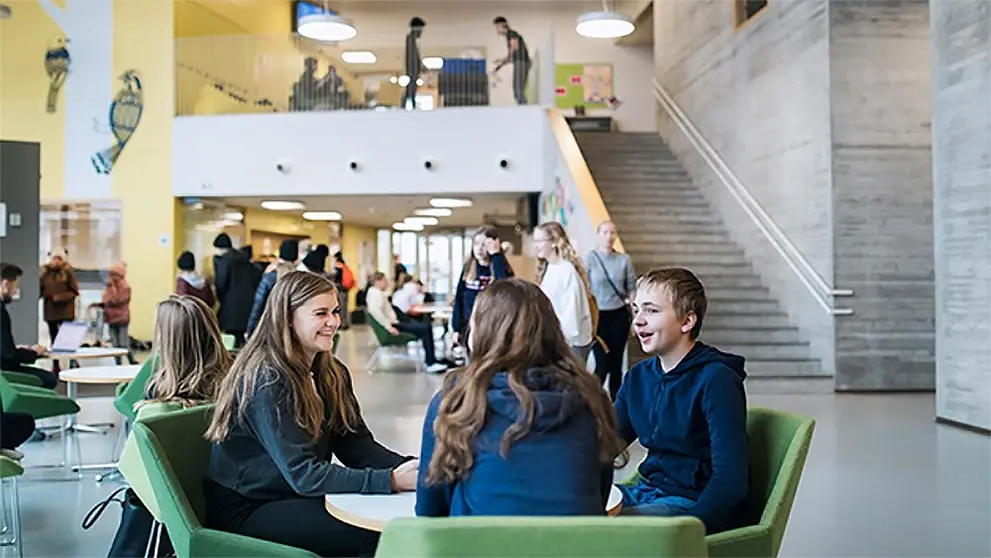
{"x": 882, "y": 478}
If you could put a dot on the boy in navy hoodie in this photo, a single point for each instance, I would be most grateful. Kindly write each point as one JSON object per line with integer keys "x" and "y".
{"x": 687, "y": 406}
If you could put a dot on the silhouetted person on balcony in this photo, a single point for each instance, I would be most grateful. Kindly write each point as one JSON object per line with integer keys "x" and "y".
{"x": 413, "y": 61}
{"x": 517, "y": 55}
{"x": 310, "y": 92}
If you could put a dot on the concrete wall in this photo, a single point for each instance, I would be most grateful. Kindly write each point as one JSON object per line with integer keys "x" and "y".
{"x": 961, "y": 45}
{"x": 20, "y": 164}
{"x": 881, "y": 101}
{"x": 760, "y": 96}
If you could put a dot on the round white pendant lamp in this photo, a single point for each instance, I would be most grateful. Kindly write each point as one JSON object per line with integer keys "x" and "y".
{"x": 605, "y": 24}
{"x": 321, "y": 24}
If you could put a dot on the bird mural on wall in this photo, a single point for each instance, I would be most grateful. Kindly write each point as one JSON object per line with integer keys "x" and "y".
{"x": 125, "y": 114}
{"x": 57, "y": 62}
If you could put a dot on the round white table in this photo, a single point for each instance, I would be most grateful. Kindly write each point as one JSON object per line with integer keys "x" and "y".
{"x": 84, "y": 353}
{"x": 373, "y": 511}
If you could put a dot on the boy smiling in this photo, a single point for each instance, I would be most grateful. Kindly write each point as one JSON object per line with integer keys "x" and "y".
{"x": 687, "y": 406}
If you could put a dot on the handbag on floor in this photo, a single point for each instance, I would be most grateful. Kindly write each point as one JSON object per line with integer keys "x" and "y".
{"x": 134, "y": 534}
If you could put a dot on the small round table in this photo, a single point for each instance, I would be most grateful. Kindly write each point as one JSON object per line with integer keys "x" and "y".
{"x": 84, "y": 353}
{"x": 373, "y": 511}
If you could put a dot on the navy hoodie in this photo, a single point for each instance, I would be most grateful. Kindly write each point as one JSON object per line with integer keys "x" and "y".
{"x": 553, "y": 470}
{"x": 464, "y": 295}
{"x": 693, "y": 422}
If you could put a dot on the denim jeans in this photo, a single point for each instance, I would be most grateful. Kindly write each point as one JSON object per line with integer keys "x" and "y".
{"x": 643, "y": 499}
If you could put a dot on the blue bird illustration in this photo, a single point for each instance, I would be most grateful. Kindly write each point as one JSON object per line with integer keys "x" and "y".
{"x": 57, "y": 67}
{"x": 125, "y": 114}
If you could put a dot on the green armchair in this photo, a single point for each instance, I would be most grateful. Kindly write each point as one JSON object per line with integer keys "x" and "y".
{"x": 387, "y": 341}
{"x": 21, "y": 378}
{"x": 36, "y": 401}
{"x": 131, "y": 393}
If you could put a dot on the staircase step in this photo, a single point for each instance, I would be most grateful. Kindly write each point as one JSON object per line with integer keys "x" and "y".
{"x": 659, "y": 244}
{"x": 729, "y": 281}
{"x": 635, "y": 237}
{"x": 749, "y": 322}
{"x": 732, "y": 294}
{"x": 720, "y": 307}
{"x": 781, "y": 368}
{"x": 729, "y": 336}
{"x": 666, "y": 218}
{"x": 705, "y": 272}
{"x": 689, "y": 259}
{"x": 802, "y": 385}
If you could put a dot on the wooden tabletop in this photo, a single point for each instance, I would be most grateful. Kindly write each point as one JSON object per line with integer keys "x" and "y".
{"x": 100, "y": 374}
{"x": 373, "y": 511}
{"x": 89, "y": 352}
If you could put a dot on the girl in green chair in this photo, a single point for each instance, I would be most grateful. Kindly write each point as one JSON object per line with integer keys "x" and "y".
{"x": 192, "y": 361}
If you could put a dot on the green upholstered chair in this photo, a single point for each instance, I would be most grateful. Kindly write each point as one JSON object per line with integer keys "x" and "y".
{"x": 21, "y": 378}
{"x": 388, "y": 341}
{"x": 36, "y": 401}
{"x": 228, "y": 340}
{"x": 10, "y": 535}
{"x": 778, "y": 444}
{"x": 543, "y": 537}
{"x": 130, "y": 393}
{"x": 176, "y": 454}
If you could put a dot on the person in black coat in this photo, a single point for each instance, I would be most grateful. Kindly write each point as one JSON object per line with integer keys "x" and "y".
{"x": 234, "y": 282}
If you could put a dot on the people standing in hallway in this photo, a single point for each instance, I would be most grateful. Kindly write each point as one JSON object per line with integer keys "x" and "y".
{"x": 117, "y": 308}
{"x": 517, "y": 55}
{"x": 380, "y": 310}
{"x": 13, "y": 357}
{"x": 344, "y": 278}
{"x": 59, "y": 289}
{"x": 316, "y": 260}
{"x": 486, "y": 264}
{"x": 523, "y": 429}
{"x": 235, "y": 284}
{"x": 611, "y": 276}
{"x": 288, "y": 252}
{"x": 414, "y": 64}
{"x": 188, "y": 282}
{"x": 562, "y": 277}
{"x": 398, "y": 269}
{"x": 284, "y": 412}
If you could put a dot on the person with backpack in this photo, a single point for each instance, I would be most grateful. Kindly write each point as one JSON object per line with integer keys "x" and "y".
{"x": 344, "y": 277}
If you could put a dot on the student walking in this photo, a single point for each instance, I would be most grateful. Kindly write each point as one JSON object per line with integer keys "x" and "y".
{"x": 117, "y": 308}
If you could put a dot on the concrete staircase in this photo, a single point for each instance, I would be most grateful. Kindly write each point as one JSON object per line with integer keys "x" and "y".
{"x": 663, "y": 220}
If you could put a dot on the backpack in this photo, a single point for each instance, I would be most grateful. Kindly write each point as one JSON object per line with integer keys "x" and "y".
{"x": 347, "y": 278}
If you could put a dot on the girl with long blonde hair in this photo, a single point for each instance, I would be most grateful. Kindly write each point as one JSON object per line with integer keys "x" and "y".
{"x": 284, "y": 411}
{"x": 523, "y": 429}
{"x": 562, "y": 277}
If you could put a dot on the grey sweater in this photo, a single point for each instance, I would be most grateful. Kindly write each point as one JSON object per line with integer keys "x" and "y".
{"x": 268, "y": 457}
{"x": 620, "y": 271}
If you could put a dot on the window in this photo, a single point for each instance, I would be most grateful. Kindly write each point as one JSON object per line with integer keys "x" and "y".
{"x": 745, "y": 10}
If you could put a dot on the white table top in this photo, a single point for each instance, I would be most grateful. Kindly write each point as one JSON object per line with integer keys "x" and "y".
{"x": 373, "y": 511}
{"x": 432, "y": 309}
{"x": 89, "y": 352}
{"x": 100, "y": 374}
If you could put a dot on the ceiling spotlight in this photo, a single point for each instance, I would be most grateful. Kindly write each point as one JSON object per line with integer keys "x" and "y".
{"x": 419, "y": 81}
{"x": 233, "y": 216}
{"x": 393, "y": 80}
{"x": 604, "y": 25}
{"x": 433, "y": 62}
{"x": 450, "y": 202}
{"x": 434, "y": 212}
{"x": 403, "y": 81}
{"x": 320, "y": 24}
{"x": 359, "y": 57}
{"x": 283, "y": 205}
{"x": 407, "y": 227}
{"x": 422, "y": 221}
{"x": 321, "y": 216}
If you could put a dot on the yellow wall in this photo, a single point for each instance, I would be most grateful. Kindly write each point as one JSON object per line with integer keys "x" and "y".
{"x": 280, "y": 223}
{"x": 351, "y": 238}
{"x": 196, "y": 18}
{"x": 141, "y": 179}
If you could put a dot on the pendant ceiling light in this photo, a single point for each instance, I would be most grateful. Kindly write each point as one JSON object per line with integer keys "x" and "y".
{"x": 606, "y": 24}
{"x": 320, "y": 23}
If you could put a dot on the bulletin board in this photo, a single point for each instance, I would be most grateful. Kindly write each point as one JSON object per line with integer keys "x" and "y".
{"x": 589, "y": 85}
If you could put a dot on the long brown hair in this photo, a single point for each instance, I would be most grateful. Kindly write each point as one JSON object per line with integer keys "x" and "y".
{"x": 469, "y": 271}
{"x": 274, "y": 352}
{"x": 514, "y": 330}
{"x": 191, "y": 356}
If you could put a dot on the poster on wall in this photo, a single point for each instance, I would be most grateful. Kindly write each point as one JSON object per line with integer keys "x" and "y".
{"x": 555, "y": 205}
{"x": 588, "y": 85}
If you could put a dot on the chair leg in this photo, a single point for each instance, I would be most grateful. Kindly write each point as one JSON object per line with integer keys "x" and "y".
{"x": 158, "y": 538}
{"x": 151, "y": 537}
{"x": 370, "y": 366}
{"x": 11, "y": 515}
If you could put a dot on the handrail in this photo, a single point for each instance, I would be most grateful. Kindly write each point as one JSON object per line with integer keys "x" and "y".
{"x": 814, "y": 283}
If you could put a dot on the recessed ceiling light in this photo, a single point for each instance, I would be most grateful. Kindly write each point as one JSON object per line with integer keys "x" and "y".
{"x": 419, "y": 81}
{"x": 409, "y": 227}
{"x": 403, "y": 81}
{"x": 283, "y": 205}
{"x": 433, "y": 62}
{"x": 233, "y": 216}
{"x": 425, "y": 221}
{"x": 393, "y": 80}
{"x": 359, "y": 57}
{"x": 450, "y": 202}
{"x": 321, "y": 216}
{"x": 434, "y": 212}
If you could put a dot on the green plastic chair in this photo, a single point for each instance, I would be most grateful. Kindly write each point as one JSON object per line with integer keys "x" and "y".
{"x": 543, "y": 537}
{"x": 130, "y": 393}
{"x": 36, "y": 401}
{"x": 21, "y": 378}
{"x": 778, "y": 445}
{"x": 176, "y": 454}
{"x": 10, "y": 470}
{"x": 388, "y": 341}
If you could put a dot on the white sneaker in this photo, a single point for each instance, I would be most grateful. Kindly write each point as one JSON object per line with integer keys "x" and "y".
{"x": 12, "y": 454}
{"x": 436, "y": 368}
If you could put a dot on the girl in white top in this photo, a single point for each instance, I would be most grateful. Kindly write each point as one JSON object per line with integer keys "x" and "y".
{"x": 562, "y": 277}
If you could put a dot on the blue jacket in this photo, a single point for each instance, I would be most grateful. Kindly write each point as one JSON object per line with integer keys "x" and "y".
{"x": 464, "y": 295}
{"x": 264, "y": 289}
{"x": 553, "y": 470}
{"x": 693, "y": 422}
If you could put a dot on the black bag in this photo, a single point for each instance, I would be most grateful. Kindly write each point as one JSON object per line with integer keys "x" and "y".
{"x": 134, "y": 533}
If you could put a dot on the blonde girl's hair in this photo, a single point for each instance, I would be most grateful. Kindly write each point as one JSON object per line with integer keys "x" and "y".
{"x": 558, "y": 238}
{"x": 275, "y": 353}
{"x": 190, "y": 353}
{"x": 469, "y": 271}
{"x": 513, "y": 342}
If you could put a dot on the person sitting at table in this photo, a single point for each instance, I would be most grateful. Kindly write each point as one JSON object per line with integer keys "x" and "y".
{"x": 13, "y": 357}
{"x": 190, "y": 361}
{"x": 524, "y": 429}
{"x": 407, "y": 296}
{"x": 283, "y": 413}
{"x": 380, "y": 310}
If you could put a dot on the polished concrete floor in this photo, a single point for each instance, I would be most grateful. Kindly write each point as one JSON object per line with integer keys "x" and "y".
{"x": 882, "y": 478}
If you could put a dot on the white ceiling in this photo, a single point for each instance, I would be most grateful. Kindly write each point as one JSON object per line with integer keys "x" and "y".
{"x": 383, "y": 211}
